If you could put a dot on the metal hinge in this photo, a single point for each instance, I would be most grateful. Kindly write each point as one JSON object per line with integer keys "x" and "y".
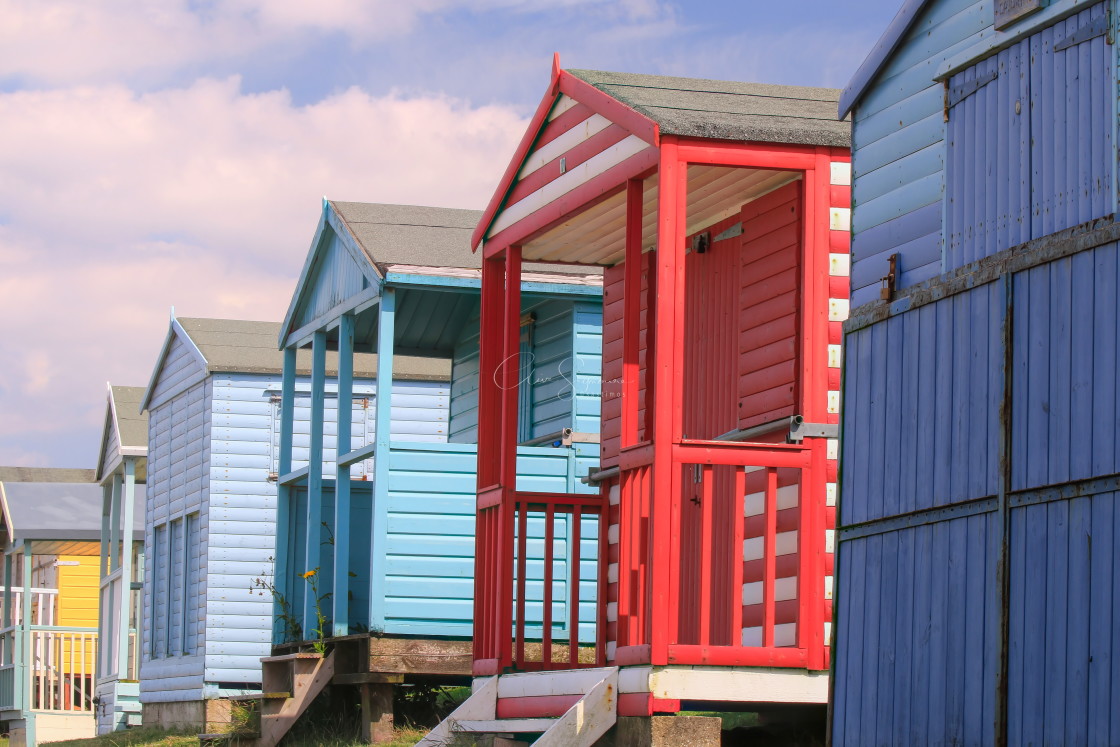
{"x": 962, "y": 91}
{"x": 1097, "y": 27}
{"x": 273, "y": 476}
{"x": 735, "y": 230}
{"x": 275, "y": 399}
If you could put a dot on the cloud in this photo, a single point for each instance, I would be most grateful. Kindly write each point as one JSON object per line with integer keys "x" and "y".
{"x": 118, "y": 205}
{"x": 151, "y": 45}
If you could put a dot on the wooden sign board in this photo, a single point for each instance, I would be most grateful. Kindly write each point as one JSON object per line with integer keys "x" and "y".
{"x": 1010, "y": 11}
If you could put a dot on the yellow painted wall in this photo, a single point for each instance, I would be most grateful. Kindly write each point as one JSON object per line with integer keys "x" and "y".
{"x": 78, "y": 587}
{"x": 77, "y": 591}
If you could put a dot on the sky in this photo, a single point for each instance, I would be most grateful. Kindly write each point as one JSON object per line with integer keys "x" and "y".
{"x": 175, "y": 153}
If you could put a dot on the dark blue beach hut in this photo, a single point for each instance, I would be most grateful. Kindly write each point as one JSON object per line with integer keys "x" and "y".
{"x": 978, "y": 577}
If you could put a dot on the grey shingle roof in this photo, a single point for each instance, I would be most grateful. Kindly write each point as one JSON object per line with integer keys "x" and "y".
{"x": 57, "y": 504}
{"x": 728, "y": 110}
{"x": 250, "y": 347}
{"x": 412, "y": 235}
{"x": 423, "y": 236}
{"x": 46, "y": 474}
{"x": 132, "y": 425}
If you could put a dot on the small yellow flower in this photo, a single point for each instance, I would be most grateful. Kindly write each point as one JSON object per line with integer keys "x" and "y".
{"x": 311, "y": 573}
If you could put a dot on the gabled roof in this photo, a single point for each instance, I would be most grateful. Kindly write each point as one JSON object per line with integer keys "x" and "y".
{"x": 728, "y": 110}
{"x": 650, "y": 106}
{"x": 375, "y": 240}
{"x": 126, "y": 429}
{"x": 58, "y": 509}
{"x": 410, "y": 234}
{"x": 880, "y": 54}
{"x": 239, "y": 346}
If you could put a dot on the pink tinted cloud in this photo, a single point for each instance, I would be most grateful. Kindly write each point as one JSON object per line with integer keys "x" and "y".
{"x": 115, "y": 206}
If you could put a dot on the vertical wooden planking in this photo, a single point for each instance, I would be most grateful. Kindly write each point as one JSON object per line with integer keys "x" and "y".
{"x": 886, "y": 620}
{"x": 1102, "y": 431}
{"x": 1078, "y": 607}
{"x": 1081, "y": 364}
{"x": 854, "y": 653}
{"x": 1058, "y": 397}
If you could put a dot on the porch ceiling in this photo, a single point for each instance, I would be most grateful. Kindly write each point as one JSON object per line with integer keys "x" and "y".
{"x": 596, "y": 235}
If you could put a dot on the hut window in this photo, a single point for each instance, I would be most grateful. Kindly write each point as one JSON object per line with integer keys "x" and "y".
{"x": 159, "y": 592}
{"x": 176, "y": 596}
{"x": 192, "y": 591}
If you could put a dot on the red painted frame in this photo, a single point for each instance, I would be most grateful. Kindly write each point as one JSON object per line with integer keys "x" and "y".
{"x": 649, "y": 484}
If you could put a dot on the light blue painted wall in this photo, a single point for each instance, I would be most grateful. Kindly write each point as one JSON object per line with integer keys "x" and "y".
{"x": 211, "y": 450}
{"x": 243, "y": 503}
{"x": 334, "y": 278}
{"x": 428, "y": 588}
{"x": 567, "y": 354}
{"x": 178, "y": 483}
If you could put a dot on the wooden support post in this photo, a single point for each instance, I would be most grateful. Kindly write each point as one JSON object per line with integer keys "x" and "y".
{"x": 281, "y": 561}
{"x": 103, "y": 615}
{"x": 125, "y": 585}
{"x": 487, "y": 546}
{"x": 510, "y": 370}
{"x": 106, "y": 524}
{"x": 510, "y": 373}
{"x": 340, "y": 588}
{"x": 115, "y": 524}
{"x": 23, "y": 654}
{"x": 665, "y": 487}
{"x": 7, "y": 619}
{"x": 632, "y": 304}
{"x": 383, "y": 416}
{"x": 377, "y": 713}
{"x": 313, "y": 550}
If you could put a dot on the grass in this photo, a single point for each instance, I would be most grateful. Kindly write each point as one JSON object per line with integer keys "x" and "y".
{"x": 140, "y": 737}
{"x": 152, "y": 737}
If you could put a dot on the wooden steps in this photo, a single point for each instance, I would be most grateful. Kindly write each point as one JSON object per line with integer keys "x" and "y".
{"x": 592, "y": 714}
{"x": 290, "y": 682}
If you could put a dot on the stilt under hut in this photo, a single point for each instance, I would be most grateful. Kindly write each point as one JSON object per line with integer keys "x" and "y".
{"x": 122, "y": 466}
{"x": 978, "y": 584}
{"x": 718, "y": 213}
{"x": 50, "y": 534}
{"x": 376, "y": 538}
{"x": 210, "y": 522}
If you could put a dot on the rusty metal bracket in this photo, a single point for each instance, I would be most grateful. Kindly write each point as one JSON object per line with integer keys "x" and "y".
{"x": 890, "y": 279}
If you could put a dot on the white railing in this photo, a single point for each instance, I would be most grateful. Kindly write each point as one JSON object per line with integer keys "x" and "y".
{"x": 58, "y": 670}
{"x": 61, "y": 672}
{"x": 44, "y": 605}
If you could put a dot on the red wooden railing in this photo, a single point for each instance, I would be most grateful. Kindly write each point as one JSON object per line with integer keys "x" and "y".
{"x": 573, "y": 510}
{"x": 701, "y": 525}
{"x": 508, "y": 629}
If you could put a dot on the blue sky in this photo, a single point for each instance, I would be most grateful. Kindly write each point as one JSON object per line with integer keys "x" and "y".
{"x": 175, "y": 153}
